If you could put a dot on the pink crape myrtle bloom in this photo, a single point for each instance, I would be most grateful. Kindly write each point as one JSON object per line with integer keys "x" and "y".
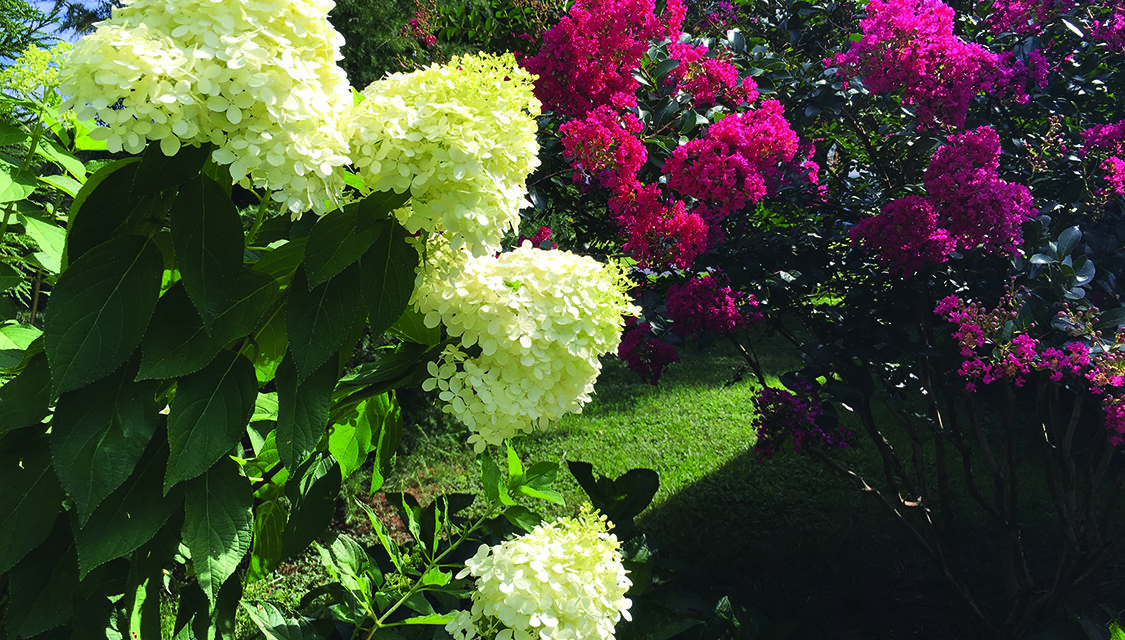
{"x": 643, "y": 353}
{"x": 604, "y": 149}
{"x": 906, "y": 236}
{"x": 657, "y": 232}
{"x": 709, "y": 79}
{"x": 705, "y": 304}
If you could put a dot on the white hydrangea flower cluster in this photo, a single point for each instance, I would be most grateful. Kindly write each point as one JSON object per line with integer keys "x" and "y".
{"x": 460, "y": 137}
{"x": 540, "y": 320}
{"x": 563, "y": 581}
{"x": 256, "y": 78}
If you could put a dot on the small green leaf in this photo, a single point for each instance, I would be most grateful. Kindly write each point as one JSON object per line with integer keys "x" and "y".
{"x": 318, "y": 320}
{"x": 209, "y": 415}
{"x": 99, "y": 433}
{"x": 411, "y": 327}
{"x": 388, "y": 275}
{"x": 15, "y": 338}
{"x": 49, "y": 237}
{"x": 436, "y": 577}
{"x": 312, "y": 491}
{"x": 276, "y": 625}
{"x": 515, "y": 467}
{"x": 494, "y": 487}
{"x": 384, "y": 537}
{"x": 436, "y": 619}
{"x": 269, "y": 346}
{"x": 349, "y": 440}
{"x": 52, "y": 152}
{"x": 1068, "y": 240}
{"x": 10, "y": 277}
{"x": 100, "y": 308}
{"x": 282, "y": 262}
{"x": 66, "y": 184}
{"x": 218, "y": 524}
{"x": 14, "y": 184}
{"x": 522, "y": 517}
{"x": 207, "y": 236}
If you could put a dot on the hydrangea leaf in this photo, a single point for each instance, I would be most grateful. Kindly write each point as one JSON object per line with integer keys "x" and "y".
{"x": 99, "y": 433}
{"x": 131, "y": 515}
{"x": 109, "y": 205}
{"x": 207, "y": 236}
{"x": 31, "y": 499}
{"x": 266, "y": 549}
{"x": 41, "y": 589}
{"x": 209, "y": 415}
{"x": 25, "y": 399}
{"x": 312, "y": 491}
{"x": 100, "y": 308}
{"x": 336, "y": 241}
{"x": 388, "y": 275}
{"x": 318, "y": 320}
{"x": 218, "y": 521}
{"x": 302, "y": 411}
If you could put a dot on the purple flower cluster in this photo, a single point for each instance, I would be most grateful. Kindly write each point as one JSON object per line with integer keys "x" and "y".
{"x": 781, "y": 414}
{"x": 704, "y": 304}
{"x": 967, "y": 205}
{"x": 719, "y": 16}
{"x": 643, "y": 353}
{"x": 1111, "y": 29}
{"x": 993, "y": 351}
{"x": 909, "y": 45}
{"x": 588, "y": 58}
{"x": 1115, "y": 175}
{"x": 1025, "y": 17}
{"x": 1104, "y": 137}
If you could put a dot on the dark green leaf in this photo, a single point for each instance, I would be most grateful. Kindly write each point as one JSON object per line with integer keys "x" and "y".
{"x": 25, "y": 399}
{"x": 380, "y": 204}
{"x": 269, "y": 346}
{"x": 177, "y": 344}
{"x": 1068, "y": 240}
{"x": 99, "y": 433}
{"x": 388, "y": 275}
{"x": 15, "y": 338}
{"x": 312, "y": 491}
{"x": 386, "y": 439}
{"x": 276, "y": 625}
{"x": 302, "y": 410}
{"x": 218, "y": 522}
{"x": 158, "y": 172}
{"x": 411, "y": 327}
{"x": 10, "y": 278}
{"x": 266, "y": 551}
{"x": 100, "y": 308}
{"x": 318, "y": 320}
{"x": 110, "y": 205}
{"x": 30, "y": 500}
{"x": 41, "y": 589}
{"x": 494, "y": 486}
{"x": 209, "y": 415}
{"x": 336, "y": 241}
{"x": 282, "y": 262}
{"x": 131, "y": 515}
{"x": 207, "y": 236}
{"x": 522, "y": 517}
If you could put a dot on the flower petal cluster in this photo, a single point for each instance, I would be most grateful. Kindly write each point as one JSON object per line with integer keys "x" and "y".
{"x": 705, "y": 304}
{"x": 909, "y": 45}
{"x": 1024, "y": 17}
{"x": 658, "y": 232}
{"x": 735, "y": 163}
{"x": 708, "y": 79}
{"x": 532, "y": 325}
{"x": 588, "y": 58}
{"x": 781, "y": 414}
{"x": 979, "y": 207}
{"x": 906, "y": 236}
{"x": 604, "y": 148}
{"x": 563, "y": 581}
{"x": 460, "y": 137}
{"x": 256, "y": 79}
{"x": 645, "y": 354}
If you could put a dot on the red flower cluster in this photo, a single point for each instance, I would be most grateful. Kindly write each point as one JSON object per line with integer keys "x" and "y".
{"x": 643, "y": 353}
{"x": 703, "y": 304}
{"x": 909, "y": 45}
{"x": 658, "y": 232}
{"x": 588, "y": 58}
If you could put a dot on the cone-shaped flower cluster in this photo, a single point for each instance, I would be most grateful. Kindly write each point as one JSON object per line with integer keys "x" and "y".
{"x": 562, "y": 581}
{"x": 256, "y": 79}
{"x": 460, "y": 137}
{"x": 540, "y": 319}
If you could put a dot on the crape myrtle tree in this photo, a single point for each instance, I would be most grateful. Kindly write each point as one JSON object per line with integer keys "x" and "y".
{"x": 915, "y": 195}
{"x": 179, "y": 415}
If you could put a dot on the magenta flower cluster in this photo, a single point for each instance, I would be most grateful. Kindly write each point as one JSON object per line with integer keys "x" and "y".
{"x": 718, "y": 16}
{"x": 967, "y": 204}
{"x": 735, "y": 163}
{"x": 588, "y": 58}
{"x": 705, "y": 304}
{"x": 658, "y": 232}
{"x": 909, "y": 45}
{"x": 781, "y": 414}
{"x": 1025, "y": 17}
{"x": 1104, "y": 137}
{"x": 604, "y": 149}
{"x": 643, "y": 353}
{"x": 993, "y": 351}
{"x": 1111, "y": 28}
{"x": 978, "y": 206}
{"x": 709, "y": 79}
